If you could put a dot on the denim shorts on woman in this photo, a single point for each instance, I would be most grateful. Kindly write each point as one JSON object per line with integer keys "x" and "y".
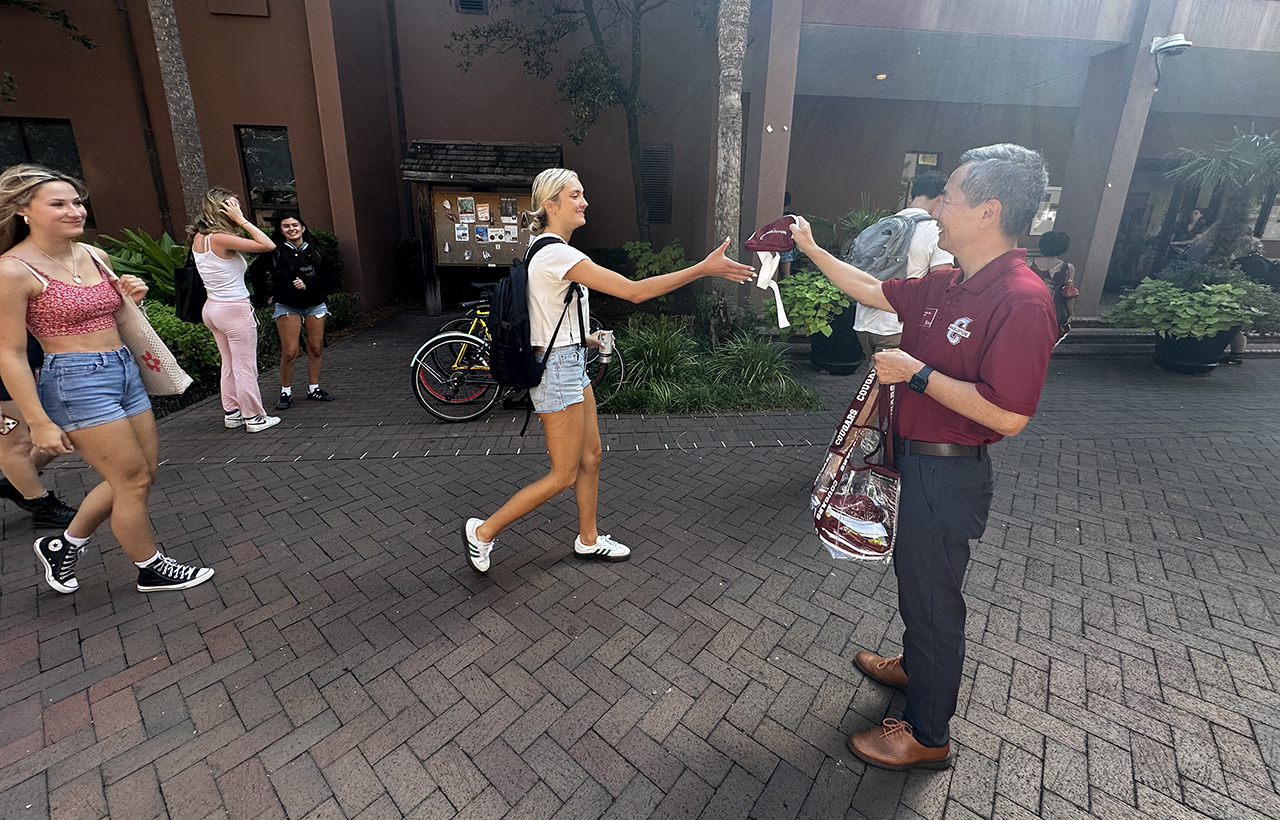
{"x": 321, "y": 309}
{"x": 563, "y": 382}
{"x": 80, "y": 390}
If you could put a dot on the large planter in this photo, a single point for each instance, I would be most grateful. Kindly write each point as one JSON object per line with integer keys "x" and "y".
{"x": 1190, "y": 354}
{"x": 838, "y": 354}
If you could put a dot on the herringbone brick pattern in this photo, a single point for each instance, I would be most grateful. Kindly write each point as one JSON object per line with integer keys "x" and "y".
{"x": 346, "y": 663}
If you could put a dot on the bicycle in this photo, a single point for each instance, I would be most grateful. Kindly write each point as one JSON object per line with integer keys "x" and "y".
{"x": 451, "y": 376}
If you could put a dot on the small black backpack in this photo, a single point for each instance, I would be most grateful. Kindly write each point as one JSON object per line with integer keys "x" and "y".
{"x": 511, "y": 358}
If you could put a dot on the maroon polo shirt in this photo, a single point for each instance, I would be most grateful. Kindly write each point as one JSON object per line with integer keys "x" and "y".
{"x": 996, "y": 329}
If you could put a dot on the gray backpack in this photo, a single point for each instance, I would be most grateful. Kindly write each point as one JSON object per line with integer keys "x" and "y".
{"x": 881, "y": 250}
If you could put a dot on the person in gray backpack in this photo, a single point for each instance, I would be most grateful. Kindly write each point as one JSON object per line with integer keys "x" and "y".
{"x": 901, "y": 246}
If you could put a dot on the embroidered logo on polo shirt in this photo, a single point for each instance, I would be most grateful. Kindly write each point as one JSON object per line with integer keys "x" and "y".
{"x": 957, "y": 330}
{"x": 929, "y": 315}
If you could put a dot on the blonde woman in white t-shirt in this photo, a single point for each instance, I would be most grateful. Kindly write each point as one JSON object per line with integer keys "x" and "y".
{"x": 564, "y": 400}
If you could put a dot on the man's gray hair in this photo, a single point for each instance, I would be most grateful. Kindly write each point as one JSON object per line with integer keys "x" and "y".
{"x": 1014, "y": 175}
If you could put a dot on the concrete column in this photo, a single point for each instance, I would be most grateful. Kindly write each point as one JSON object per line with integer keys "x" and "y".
{"x": 1113, "y": 115}
{"x": 333, "y": 136}
{"x": 768, "y": 126}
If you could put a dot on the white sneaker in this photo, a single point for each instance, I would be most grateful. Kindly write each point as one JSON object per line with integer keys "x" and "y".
{"x": 605, "y": 549}
{"x": 257, "y": 425}
{"x": 233, "y": 419}
{"x": 477, "y": 550}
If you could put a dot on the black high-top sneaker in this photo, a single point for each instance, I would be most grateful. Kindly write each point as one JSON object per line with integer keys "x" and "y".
{"x": 58, "y": 556}
{"x": 48, "y": 510}
{"x": 164, "y": 573}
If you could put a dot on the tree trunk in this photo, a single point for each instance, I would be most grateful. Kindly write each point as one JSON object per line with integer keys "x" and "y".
{"x": 1229, "y": 228}
{"x": 182, "y": 107}
{"x": 731, "y": 40}
{"x": 637, "y": 172}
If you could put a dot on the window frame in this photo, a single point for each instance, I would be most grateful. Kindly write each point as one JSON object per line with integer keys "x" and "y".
{"x": 253, "y": 209}
{"x": 90, "y": 223}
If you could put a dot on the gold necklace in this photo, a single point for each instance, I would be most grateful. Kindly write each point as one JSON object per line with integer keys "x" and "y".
{"x": 74, "y": 270}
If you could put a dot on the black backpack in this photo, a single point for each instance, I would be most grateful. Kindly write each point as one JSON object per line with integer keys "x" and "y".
{"x": 881, "y": 250}
{"x": 511, "y": 358}
{"x": 189, "y": 294}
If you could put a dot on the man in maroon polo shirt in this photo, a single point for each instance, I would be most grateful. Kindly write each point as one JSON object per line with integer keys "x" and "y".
{"x": 975, "y": 347}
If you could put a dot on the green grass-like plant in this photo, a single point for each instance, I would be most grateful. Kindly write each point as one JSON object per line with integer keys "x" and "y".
{"x": 669, "y": 370}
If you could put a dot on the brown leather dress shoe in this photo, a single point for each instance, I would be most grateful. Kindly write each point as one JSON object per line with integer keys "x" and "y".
{"x": 884, "y": 670}
{"x": 892, "y": 746}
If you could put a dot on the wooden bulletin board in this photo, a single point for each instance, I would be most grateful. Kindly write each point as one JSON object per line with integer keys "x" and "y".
{"x": 478, "y": 224}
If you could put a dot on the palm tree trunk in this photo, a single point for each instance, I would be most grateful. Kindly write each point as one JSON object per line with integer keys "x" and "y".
{"x": 732, "y": 46}
{"x": 182, "y": 107}
{"x": 731, "y": 41}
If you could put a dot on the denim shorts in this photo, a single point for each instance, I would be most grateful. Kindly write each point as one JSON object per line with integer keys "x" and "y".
{"x": 80, "y": 390}
{"x": 321, "y": 309}
{"x": 563, "y": 382}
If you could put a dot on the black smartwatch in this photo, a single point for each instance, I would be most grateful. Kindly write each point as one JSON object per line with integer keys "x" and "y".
{"x": 920, "y": 380}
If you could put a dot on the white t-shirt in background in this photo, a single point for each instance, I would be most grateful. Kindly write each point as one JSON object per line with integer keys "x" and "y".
{"x": 547, "y": 287}
{"x": 923, "y": 254}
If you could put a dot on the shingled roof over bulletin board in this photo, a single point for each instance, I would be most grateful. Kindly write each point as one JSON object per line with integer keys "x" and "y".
{"x": 479, "y": 163}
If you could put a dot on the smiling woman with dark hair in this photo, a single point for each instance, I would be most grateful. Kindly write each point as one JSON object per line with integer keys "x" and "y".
{"x": 297, "y": 277}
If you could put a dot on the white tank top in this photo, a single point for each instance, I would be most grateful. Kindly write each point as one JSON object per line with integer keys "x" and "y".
{"x": 223, "y": 278}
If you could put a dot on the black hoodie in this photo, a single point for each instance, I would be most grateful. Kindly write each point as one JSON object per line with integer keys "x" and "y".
{"x": 272, "y": 274}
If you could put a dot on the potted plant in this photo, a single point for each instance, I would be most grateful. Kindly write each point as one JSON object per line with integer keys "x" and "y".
{"x": 818, "y": 308}
{"x": 1194, "y": 310}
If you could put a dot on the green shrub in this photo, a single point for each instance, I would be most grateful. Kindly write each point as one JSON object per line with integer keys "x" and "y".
{"x": 154, "y": 260}
{"x": 811, "y": 302}
{"x": 342, "y": 311}
{"x": 192, "y": 345}
{"x": 750, "y": 361}
{"x": 329, "y": 246}
{"x": 671, "y": 371}
{"x": 657, "y": 348}
{"x": 1170, "y": 311}
{"x": 614, "y": 259}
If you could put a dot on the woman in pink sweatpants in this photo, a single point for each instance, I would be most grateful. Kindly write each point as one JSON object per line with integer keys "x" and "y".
{"x": 218, "y": 249}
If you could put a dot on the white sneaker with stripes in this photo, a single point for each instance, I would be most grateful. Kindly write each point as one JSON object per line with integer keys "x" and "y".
{"x": 604, "y": 549}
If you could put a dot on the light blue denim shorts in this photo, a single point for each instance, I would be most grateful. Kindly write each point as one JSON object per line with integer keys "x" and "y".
{"x": 321, "y": 309}
{"x": 563, "y": 382}
{"x": 80, "y": 390}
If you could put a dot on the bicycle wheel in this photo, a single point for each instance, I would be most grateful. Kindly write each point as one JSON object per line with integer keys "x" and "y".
{"x": 606, "y": 378}
{"x": 451, "y": 378}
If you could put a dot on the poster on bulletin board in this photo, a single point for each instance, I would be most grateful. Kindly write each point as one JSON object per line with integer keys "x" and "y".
{"x": 478, "y": 229}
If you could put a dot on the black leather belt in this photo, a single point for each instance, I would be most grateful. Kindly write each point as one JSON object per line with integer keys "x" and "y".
{"x": 909, "y": 447}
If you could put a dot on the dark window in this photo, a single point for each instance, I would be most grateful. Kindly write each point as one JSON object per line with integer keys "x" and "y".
{"x": 268, "y": 171}
{"x": 45, "y": 142}
{"x": 655, "y": 170}
{"x": 471, "y": 6}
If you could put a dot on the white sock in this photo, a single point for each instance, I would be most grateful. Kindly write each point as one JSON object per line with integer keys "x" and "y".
{"x": 311, "y": 388}
{"x": 37, "y": 497}
{"x": 144, "y": 564}
{"x": 286, "y": 391}
{"x": 75, "y": 542}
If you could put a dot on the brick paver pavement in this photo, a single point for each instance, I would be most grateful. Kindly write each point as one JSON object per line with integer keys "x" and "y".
{"x": 346, "y": 662}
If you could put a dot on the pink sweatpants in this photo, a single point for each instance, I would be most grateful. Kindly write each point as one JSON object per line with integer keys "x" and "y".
{"x": 237, "y": 337}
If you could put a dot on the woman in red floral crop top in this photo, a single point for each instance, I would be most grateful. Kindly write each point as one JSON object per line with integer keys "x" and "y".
{"x": 89, "y": 398}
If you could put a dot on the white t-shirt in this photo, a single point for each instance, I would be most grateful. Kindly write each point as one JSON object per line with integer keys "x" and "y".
{"x": 921, "y": 256}
{"x": 547, "y": 287}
